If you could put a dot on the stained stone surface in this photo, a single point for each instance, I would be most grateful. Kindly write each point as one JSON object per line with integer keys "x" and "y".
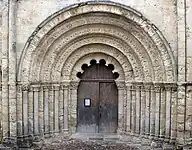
{"x": 148, "y": 41}
{"x": 189, "y": 68}
{"x": 164, "y": 13}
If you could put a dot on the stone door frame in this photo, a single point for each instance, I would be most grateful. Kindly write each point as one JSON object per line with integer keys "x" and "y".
{"x": 121, "y": 99}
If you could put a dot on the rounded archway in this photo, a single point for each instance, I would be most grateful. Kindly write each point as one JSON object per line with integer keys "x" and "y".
{"x": 109, "y": 24}
{"x": 62, "y": 47}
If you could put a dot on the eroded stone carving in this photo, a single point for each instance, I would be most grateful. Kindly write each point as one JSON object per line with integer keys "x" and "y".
{"x": 144, "y": 25}
{"x": 74, "y": 85}
{"x": 25, "y": 87}
{"x": 52, "y": 55}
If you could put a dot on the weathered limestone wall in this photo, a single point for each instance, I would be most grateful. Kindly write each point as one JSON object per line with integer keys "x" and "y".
{"x": 4, "y": 60}
{"x": 0, "y": 31}
{"x": 174, "y": 107}
{"x": 188, "y": 117}
{"x": 189, "y": 26}
{"x": 189, "y": 39}
{"x": 0, "y": 42}
{"x": 188, "y": 123}
{"x": 189, "y": 68}
{"x": 0, "y": 64}
{"x": 31, "y": 13}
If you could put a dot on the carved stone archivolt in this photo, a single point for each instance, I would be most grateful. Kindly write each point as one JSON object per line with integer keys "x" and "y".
{"x": 99, "y": 52}
{"x": 133, "y": 40}
{"x": 57, "y": 50}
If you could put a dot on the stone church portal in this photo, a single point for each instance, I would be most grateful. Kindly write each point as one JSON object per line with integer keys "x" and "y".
{"x": 96, "y": 67}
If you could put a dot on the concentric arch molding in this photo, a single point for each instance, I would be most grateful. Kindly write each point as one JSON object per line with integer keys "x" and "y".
{"x": 123, "y": 14}
{"x": 70, "y": 67}
{"x": 77, "y": 51}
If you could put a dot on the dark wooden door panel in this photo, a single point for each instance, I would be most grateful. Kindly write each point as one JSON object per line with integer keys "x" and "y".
{"x": 88, "y": 116}
{"x": 98, "y": 71}
{"x": 97, "y": 83}
{"x": 108, "y": 107}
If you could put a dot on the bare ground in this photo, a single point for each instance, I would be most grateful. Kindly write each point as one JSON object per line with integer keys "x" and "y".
{"x": 87, "y": 145}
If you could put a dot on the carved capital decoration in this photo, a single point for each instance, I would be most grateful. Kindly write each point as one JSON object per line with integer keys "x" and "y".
{"x": 51, "y": 87}
{"x": 64, "y": 86}
{"x": 45, "y": 87}
{"x": 128, "y": 84}
{"x": 168, "y": 87}
{"x": 157, "y": 88}
{"x": 25, "y": 87}
{"x": 36, "y": 88}
{"x": 120, "y": 85}
{"x": 139, "y": 86}
{"x": 147, "y": 87}
{"x": 174, "y": 89}
{"x": 74, "y": 85}
{"x": 57, "y": 87}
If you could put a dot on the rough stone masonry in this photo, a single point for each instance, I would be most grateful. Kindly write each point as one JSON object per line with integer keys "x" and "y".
{"x": 45, "y": 43}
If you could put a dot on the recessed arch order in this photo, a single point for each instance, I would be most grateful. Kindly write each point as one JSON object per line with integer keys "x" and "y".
{"x": 109, "y": 28}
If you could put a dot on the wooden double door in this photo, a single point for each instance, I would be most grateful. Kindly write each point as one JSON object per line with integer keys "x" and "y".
{"x": 97, "y": 106}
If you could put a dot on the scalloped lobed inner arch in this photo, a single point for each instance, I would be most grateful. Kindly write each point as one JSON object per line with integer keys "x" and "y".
{"x": 101, "y": 62}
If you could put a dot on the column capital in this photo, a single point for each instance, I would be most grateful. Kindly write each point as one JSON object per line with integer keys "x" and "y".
{"x": 120, "y": 84}
{"x": 64, "y": 85}
{"x": 74, "y": 84}
{"x": 147, "y": 87}
{"x": 56, "y": 86}
{"x": 168, "y": 87}
{"x": 25, "y": 87}
{"x": 157, "y": 88}
{"x": 45, "y": 87}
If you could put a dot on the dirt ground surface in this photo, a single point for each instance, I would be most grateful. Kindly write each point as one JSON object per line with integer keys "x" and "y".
{"x": 87, "y": 145}
{"x": 82, "y": 142}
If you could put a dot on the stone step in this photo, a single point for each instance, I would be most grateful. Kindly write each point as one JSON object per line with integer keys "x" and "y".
{"x": 96, "y": 138}
{"x": 111, "y": 139}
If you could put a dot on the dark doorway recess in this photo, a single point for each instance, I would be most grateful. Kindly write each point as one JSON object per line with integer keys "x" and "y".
{"x": 97, "y": 105}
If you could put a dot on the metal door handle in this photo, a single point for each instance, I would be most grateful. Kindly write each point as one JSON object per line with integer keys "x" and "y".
{"x": 100, "y": 115}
